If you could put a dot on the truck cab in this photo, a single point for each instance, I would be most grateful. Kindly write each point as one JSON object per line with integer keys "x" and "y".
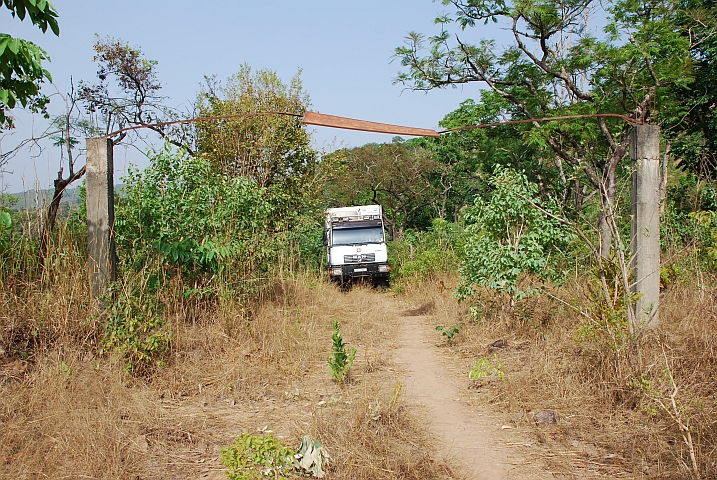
{"x": 356, "y": 245}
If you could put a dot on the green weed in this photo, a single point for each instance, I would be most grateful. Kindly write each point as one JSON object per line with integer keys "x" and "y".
{"x": 449, "y": 332}
{"x": 134, "y": 327}
{"x": 341, "y": 361}
{"x": 256, "y": 457}
{"x": 484, "y": 367}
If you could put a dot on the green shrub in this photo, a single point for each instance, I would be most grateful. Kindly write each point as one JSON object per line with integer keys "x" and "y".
{"x": 179, "y": 213}
{"x": 484, "y": 367}
{"x": 449, "y": 332}
{"x": 511, "y": 235}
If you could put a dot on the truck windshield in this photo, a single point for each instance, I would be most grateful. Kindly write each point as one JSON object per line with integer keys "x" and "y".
{"x": 353, "y": 236}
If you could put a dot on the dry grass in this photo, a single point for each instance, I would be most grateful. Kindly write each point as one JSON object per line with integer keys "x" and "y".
{"x": 67, "y": 411}
{"x": 608, "y": 423}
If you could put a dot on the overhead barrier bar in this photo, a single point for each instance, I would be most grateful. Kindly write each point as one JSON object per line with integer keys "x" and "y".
{"x": 319, "y": 119}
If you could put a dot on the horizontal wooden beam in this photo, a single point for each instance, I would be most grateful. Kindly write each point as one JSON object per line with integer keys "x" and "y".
{"x": 319, "y": 119}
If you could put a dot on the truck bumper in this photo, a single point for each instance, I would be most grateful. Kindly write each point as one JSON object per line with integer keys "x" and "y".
{"x": 360, "y": 270}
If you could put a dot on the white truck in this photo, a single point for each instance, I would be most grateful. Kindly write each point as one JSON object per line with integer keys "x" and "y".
{"x": 356, "y": 245}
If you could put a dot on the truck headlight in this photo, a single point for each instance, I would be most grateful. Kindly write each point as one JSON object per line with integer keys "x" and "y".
{"x": 384, "y": 268}
{"x": 336, "y": 271}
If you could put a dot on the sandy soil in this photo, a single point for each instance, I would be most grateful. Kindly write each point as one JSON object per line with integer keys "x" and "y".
{"x": 470, "y": 439}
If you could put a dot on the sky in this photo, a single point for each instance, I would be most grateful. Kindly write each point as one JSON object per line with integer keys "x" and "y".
{"x": 344, "y": 50}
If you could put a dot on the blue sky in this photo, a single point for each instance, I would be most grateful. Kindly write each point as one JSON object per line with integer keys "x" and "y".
{"x": 343, "y": 48}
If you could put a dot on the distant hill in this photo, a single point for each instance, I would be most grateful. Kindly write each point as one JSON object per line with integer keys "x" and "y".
{"x": 32, "y": 199}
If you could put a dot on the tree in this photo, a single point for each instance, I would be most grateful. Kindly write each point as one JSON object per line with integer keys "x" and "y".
{"x": 270, "y": 149}
{"x": 508, "y": 237}
{"x": 554, "y": 67}
{"x": 694, "y": 134}
{"x": 64, "y": 131}
{"x": 391, "y": 174}
{"x": 127, "y": 95}
{"x": 21, "y": 70}
{"x": 179, "y": 213}
{"x": 465, "y": 159}
{"x": 134, "y": 103}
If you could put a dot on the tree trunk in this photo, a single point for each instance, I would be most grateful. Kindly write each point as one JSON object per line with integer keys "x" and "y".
{"x": 608, "y": 190}
{"x": 60, "y": 185}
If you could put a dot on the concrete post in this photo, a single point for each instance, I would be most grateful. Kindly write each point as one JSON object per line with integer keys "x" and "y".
{"x": 645, "y": 225}
{"x": 100, "y": 215}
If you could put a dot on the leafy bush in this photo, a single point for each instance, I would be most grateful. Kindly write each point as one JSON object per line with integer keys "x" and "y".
{"x": 705, "y": 222}
{"x": 179, "y": 213}
{"x": 253, "y": 457}
{"x": 5, "y": 231}
{"x": 512, "y": 234}
{"x": 484, "y": 367}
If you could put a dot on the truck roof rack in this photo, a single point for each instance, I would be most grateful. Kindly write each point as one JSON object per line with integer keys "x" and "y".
{"x": 352, "y": 214}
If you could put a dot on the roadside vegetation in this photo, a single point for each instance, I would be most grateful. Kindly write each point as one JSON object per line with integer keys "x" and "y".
{"x": 213, "y": 343}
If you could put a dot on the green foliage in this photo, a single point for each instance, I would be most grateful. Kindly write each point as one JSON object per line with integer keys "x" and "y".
{"x": 21, "y": 70}
{"x": 694, "y": 133}
{"x": 41, "y": 12}
{"x": 632, "y": 68}
{"x": 341, "y": 361}
{"x": 256, "y": 457}
{"x": 5, "y": 231}
{"x": 134, "y": 326}
{"x": 394, "y": 175}
{"x": 18, "y": 253}
{"x": 484, "y": 367}
{"x": 511, "y": 235}
{"x": 435, "y": 252}
{"x": 178, "y": 213}
{"x": 705, "y": 223}
{"x": 449, "y": 332}
{"x": 268, "y": 149}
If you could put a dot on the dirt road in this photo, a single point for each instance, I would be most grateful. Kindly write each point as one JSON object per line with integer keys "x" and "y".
{"x": 471, "y": 440}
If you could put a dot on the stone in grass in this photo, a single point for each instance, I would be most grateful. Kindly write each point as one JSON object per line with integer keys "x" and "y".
{"x": 547, "y": 417}
{"x": 497, "y": 345}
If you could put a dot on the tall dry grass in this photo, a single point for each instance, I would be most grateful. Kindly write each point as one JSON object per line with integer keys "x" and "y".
{"x": 67, "y": 410}
{"x": 615, "y": 405}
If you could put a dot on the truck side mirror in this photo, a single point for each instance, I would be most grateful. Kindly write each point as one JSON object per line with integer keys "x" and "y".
{"x": 389, "y": 231}
{"x": 326, "y": 238}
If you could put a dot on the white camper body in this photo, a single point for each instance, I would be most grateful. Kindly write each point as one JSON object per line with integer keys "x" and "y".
{"x": 356, "y": 244}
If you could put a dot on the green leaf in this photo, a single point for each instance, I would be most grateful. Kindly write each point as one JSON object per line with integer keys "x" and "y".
{"x": 4, "y": 40}
{"x": 5, "y": 220}
{"x": 14, "y": 45}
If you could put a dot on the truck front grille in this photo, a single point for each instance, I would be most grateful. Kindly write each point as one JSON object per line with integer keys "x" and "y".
{"x": 360, "y": 258}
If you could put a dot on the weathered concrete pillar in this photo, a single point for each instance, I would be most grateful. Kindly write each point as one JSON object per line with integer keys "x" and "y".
{"x": 645, "y": 225}
{"x": 100, "y": 215}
